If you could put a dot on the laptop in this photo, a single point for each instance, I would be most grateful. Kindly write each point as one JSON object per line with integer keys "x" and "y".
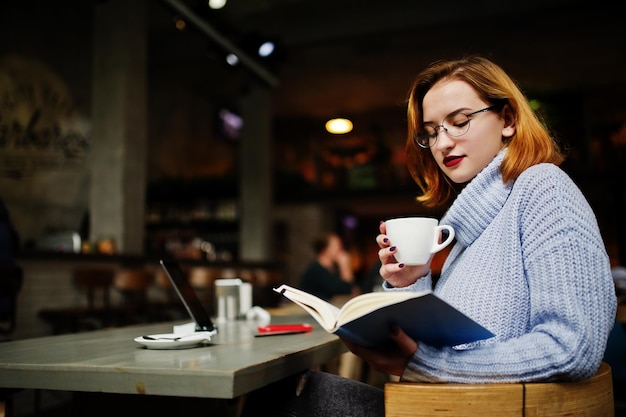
{"x": 189, "y": 297}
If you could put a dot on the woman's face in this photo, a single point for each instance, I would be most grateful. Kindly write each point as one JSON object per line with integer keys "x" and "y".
{"x": 462, "y": 158}
{"x": 334, "y": 246}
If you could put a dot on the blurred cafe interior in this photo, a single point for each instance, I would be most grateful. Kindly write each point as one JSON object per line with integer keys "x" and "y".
{"x": 126, "y": 136}
{"x": 129, "y": 134}
{"x": 134, "y": 131}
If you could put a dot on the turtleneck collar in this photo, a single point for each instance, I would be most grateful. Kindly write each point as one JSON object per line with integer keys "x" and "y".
{"x": 478, "y": 203}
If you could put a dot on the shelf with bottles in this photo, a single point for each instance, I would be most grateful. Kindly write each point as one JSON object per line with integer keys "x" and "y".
{"x": 197, "y": 213}
{"x": 191, "y": 244}
{"x": 201, "y": 229}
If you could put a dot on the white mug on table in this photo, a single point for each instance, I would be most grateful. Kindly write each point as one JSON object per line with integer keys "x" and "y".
{"x": 233, "y": 297}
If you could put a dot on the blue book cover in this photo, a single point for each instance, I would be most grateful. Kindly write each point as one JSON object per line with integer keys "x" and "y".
{"x": 367, "y": 319}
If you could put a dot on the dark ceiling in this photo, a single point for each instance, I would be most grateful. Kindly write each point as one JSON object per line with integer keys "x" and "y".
{"x": 359, "y": 57}
{"x": 354, "y": 57}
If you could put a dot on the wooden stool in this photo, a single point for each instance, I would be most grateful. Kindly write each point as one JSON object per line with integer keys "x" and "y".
{"x": 265, "y": 280}
{"x": 167, "y": 306}
{"x": 225, "y": 273}
{"x": 92, "y": 281}
{"x": 133, "y": 284}
{"x": 164, "y": 284}
{"x": 246, "y": 275}
{"x": 202, "y": 280}
{"x": 590, "y": 398}
{"x": 95, "y": 283}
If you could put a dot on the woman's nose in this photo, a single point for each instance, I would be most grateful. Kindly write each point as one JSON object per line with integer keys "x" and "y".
{"x": 444, "y": 141}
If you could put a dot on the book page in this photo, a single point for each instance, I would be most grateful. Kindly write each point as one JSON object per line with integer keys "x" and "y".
{"x": 366, "y": 303}
{"x": 322, "y": 311}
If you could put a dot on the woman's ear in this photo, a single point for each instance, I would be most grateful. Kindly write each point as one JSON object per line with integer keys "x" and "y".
{"x": 509, "y": 123}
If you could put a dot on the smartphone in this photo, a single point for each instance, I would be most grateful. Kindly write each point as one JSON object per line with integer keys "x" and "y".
{"x": 278, "y": 329}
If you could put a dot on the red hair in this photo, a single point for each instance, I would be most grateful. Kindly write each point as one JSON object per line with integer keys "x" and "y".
{"x": 532, "y": 143}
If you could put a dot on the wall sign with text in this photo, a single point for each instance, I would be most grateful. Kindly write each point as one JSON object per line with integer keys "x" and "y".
{"x": 40, "y": 130}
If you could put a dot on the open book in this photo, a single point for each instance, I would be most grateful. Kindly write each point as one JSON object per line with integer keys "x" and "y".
{"x": 367, "y": 318}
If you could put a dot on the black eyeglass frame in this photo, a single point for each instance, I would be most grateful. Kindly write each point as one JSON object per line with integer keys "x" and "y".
{"x": 469, "y": 118}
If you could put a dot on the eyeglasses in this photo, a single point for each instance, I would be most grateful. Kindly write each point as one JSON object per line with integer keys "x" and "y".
{"x": 456, "y": 124}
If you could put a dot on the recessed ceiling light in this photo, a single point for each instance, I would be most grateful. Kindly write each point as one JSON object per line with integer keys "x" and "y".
{"x": 232, "y": 59}
{"x": 217, "y": 4}
{"x": 266, "y": 49}
{"x": 180, "y": 23}
{"x": 338, "y": 126}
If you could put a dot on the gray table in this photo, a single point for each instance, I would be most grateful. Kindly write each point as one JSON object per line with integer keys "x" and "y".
{"x": 110, "y": 361}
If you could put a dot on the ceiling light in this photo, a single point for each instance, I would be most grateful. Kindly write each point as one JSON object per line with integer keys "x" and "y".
{"x": 266, "y": 49}
{"x": 338, "y": 126}
{"x": 180, "y": 23}
{"x": 216, "y": 4}
{"x": 232, "y": 59}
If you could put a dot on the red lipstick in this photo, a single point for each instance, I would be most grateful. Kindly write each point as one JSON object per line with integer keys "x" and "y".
{"x": 450, "y": 161}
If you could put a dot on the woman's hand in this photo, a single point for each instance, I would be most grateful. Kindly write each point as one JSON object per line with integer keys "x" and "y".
{"x": 392, "y": 361}
{"x": 397, "y": 274}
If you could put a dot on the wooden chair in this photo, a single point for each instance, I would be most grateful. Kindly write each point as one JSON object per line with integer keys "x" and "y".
{"x": 202, "y": 280}
{"x": 164, "y": 285}
{"x": 166, "y": 305}
{"x": 133, "y": 284}
{"x": 95, "y": 283}
{"x": 589, "y": 398}
{"x": 247, "y": 275}
{"x": 263, "y": 292}
{"x": 227, "y": 272}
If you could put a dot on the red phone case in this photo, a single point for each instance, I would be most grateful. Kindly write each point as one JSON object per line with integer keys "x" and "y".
{"x": 277, "y": 329}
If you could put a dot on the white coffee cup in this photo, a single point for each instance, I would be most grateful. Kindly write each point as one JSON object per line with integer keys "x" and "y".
{"x": 245, "y": 298}
{"x": 227, "y": 297}
{"x": 416, "y": 238}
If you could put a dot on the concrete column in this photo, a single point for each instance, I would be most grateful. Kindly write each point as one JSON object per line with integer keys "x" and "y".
{"x": 255, "y": 173}
{"x": 118, "y": 176}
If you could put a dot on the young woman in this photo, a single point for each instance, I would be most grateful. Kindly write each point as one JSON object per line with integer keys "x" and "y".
{"x": 529, "y": 262}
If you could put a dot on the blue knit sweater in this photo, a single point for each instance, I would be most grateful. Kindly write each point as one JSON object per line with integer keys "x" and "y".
{"x": 530, "y": 265}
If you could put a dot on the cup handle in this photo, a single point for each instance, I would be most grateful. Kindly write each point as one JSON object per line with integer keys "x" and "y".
{"x": 439, "y": 246}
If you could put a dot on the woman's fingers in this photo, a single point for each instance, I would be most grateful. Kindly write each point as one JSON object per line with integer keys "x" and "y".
{"x": 407, "y": 345}
{"x": 382, "y": 241}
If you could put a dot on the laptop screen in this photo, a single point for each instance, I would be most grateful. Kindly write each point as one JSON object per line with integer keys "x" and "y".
{"x": 188, "y": 296}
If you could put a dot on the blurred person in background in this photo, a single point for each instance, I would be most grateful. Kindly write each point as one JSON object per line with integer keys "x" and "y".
{"x": 330, "y": 274}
